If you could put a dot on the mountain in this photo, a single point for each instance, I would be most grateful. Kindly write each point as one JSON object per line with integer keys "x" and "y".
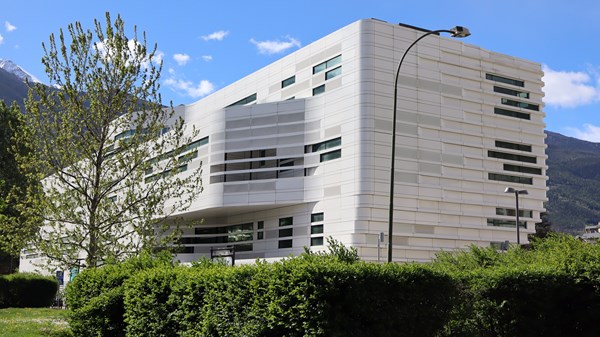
{"x": 14, "y": 69}
{"x": 12, "y": 88}
{"x": 574, "y": 183}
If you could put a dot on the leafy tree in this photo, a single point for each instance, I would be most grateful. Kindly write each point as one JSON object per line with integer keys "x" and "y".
{"x": 16, "y": 228}
{"x": 111, "y": 156}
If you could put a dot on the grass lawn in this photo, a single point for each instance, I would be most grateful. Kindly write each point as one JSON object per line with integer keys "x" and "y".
{"x": 34, "y": 322}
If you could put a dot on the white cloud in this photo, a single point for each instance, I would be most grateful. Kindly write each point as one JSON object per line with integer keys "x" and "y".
{"x": 588, "y": 132}
{"x": 569, "y": 89}
{"x": 181, "y": 59}
{"x": 132, "y": 44}
{"x": 188, "y": 88}
{"x": 275, "y": 47}
{"x": 9, "y": 27}
{"x": 220, "y": 35}
{"x": 207, "y": 58}
{"x": 1, "y": 39}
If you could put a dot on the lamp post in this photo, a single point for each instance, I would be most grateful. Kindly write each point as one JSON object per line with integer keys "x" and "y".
{"x": 458, "y": 32}
{"x": 516, "y": 192}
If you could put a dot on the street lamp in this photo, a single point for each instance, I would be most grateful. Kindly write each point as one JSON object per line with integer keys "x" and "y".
{"x": 458, "y": 32}
{"x": 516, "y": 192}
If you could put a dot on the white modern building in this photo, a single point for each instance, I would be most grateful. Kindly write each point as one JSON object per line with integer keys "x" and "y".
{"x": 301, "y": 150}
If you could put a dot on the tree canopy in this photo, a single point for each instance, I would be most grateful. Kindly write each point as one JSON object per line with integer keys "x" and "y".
{"x": 115, "y": 163}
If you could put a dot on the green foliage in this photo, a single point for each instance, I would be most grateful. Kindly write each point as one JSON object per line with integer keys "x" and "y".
{"x": 336, "y": 250}
{"x": 16, "y": 226}
{"x": 96, "y": 295}
{"x": 27, "y": 290}
{"x": 96, "y": 139}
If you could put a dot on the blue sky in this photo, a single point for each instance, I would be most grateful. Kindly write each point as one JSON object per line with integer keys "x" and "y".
{"x": 206, "y": 45}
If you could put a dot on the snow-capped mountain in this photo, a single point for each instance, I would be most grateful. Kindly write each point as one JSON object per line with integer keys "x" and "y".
{"x": 14, "y": 69}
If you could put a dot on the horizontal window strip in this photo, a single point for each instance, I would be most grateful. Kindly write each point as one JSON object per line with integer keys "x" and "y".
{"x": 523, "y": 169}
{"x": 511, "y": 92}
{"x": 513, "y": 146}
{"x": 512, "y": 156}
{"x": 512, "y": 113}
{"x": 506, "y": 80}
{"x": 519, "y": 104}
{"x": 510, "y": 179}
{"x": 506, "y": 223}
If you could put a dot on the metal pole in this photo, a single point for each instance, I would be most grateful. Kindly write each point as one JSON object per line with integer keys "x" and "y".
{"x": 393, "y": 164}
{"x": 517, "y": 211}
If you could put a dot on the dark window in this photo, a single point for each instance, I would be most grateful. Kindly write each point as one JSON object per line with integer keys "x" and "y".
{"x": 318, "y": 241}
{"x": 324, "y": 145}
{"x": 511, "y": 179}
{"x": 260, "y": 235}
{"x": 288, "y": 81}
{"x": 283, "y": 233}
{"x": 522, "y": 169}
{"x": 244, "y": 101}
{"x": 511, "y": 212}
{"x": 505, "y": 223}
{"x": 245, "y": 247}
{"x": 511, "y": 92}
{"x": 518, "y": 104}
{"x": 316, "y": 217}
{"x": 333, "y": 73}
{"x": 286, "y": 221}
{"x": 511, "y": 113}
{"x": 510, "y": 156}
{"x": 331, "y": 155}
{"x": 327, "y": 64}
{"x": 260, "y": 224}
{"x": 513, "y": 146}
{"x": 285, "y": 244}
{"x": 506, "y": 80}
{"x": 319, "y": 90}
{"x": 316, "y": 229}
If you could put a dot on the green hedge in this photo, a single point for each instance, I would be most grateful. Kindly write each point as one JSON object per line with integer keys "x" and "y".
{"x": 309, "y": 296}
{"x": 27, "y": 290}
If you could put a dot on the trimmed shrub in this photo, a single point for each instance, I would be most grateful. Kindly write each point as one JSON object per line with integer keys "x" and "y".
{"x": 96, "y": 296}
{"x": 27, "y": 290}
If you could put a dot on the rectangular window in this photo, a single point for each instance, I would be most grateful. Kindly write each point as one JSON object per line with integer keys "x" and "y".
{"x": 244, "y": 100}
{"x": 318, "y": 241}
{"x": 286, "y": 221}
{"x": 510, "y": 156}
{"x": 246, "y": 247}
{"x": 511, "y": 113}
{"x": 505, "y": 223}
{"x": 511, "y": 179}
{"x": 316, "y": 217}
{"x": 324, "y": 145}
{"x": 522, "y": 169}
{"x": 285, "y": 244}
{"x": 196, "y": 144}
{"x": 288, "y": 81}
{"x": 125, "y": 134}
{"x": 519, "y": 104}
{"x": 327, "y": 64}
{"x": 260, "y": 235}
{"x": 316, "y": 229}
{"x": 506, "y": 80}
{"x": 260, "y": 225}
{"x": 333, "y": 73}
{"x": 283, "y": 233}
{"x": 331, "y": 155}
{"x": 187, "y": 157}
{"x": 319, "y": 90}
{"x": 511, "y": 92}
{"x": 511, "y": 212}
{"x": 513, "y": 146}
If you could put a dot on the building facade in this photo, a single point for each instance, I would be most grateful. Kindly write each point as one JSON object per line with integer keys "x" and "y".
{"x": 301, "y": 150}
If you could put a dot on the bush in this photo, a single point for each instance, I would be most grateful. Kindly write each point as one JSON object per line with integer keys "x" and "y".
{"x": 96, "y": 296}
{"x": 27, "y": 290}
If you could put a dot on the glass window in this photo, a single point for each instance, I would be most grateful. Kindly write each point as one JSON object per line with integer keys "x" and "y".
{"x": 244, "y": 100}
{"x": 519, "y": 104}
{"x": 125, "y": 134}
{"x": 333, "y": 73}
{"x": 522, "y": 169}
{"x": 196, "y": 144}
{"x": 260, "y": 224}
{"x": 511, "y": 113}
{"x": 285, "y": 244}
{"x": 316, "y": 217}
{"x": 513, "y": 146}
{"x": 319, "y": 67}
{"x": 260, "y": 235}
{"x": 511, "y": 212}
{"x": 318, "y": 241}
{"x": 316, "y": 229}
{"x": 506, "y": 80}
{"x": 510, "y": 156}
{"x": 511, "y": 92}
{"x": 286, "y": 221}
{"x": 324, "y": 145}
{"x": 327, "y": 64}
{"x": 246, "y": 247}
{"x": 319, "y": 90}
{"x": 511, "y": 179}
{"x": 331, "y": 155}
{"x": 286, "y": 232}
{"x": 288, "y": 81}
{"x": 505, "y": 223}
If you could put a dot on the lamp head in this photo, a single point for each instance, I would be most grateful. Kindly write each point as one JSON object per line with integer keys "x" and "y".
{"x": 512, "y": 190}
{"x": 460, "y": 31}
